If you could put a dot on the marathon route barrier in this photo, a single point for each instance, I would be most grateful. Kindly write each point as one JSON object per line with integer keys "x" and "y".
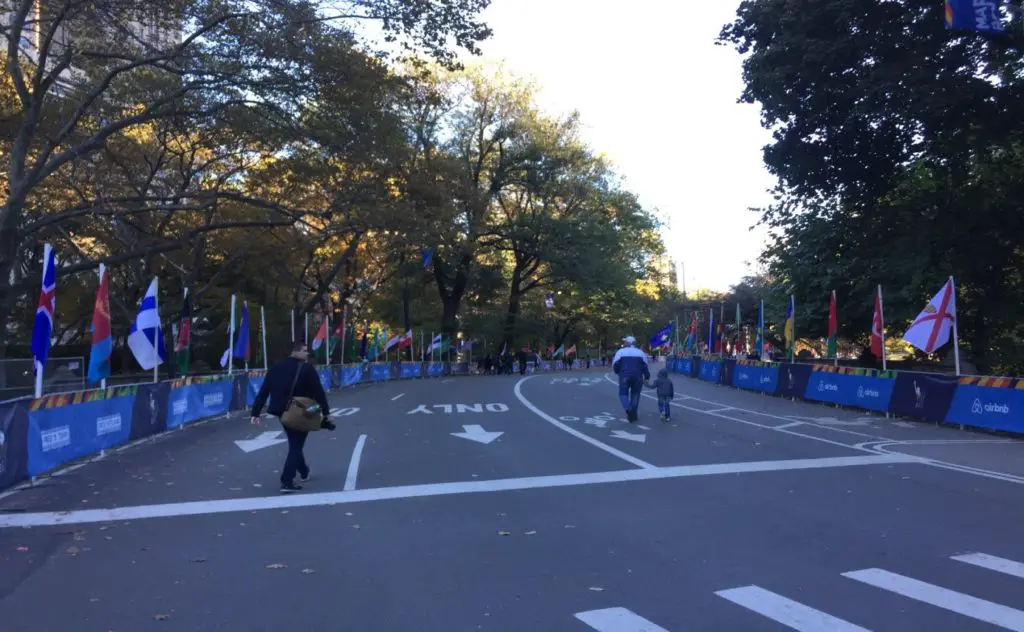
{"x": 987, "y": 403}
{"x": 40, "y": 435}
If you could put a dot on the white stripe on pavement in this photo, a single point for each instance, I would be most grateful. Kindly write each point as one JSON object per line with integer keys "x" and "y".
{"x": 994, "y": 613}
{"x": 789, "y": 613}
{"x": 397, "y": 397}
{"x": 992, "y": 563}
{"x": 617, "y": 620}
{"x": 207, "y": 507}
{"x": 353, "y": 465}
{"x": 629, "y": 458}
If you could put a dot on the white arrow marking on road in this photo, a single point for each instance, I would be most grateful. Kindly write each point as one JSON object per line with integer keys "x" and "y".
{"x": 478, "y": 434}
{"x": 265, "y": 440}
{"x": 622, "y": 434}
{"x": 617, "y": 620}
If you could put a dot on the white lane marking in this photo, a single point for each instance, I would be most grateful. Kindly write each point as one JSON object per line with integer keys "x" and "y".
{"x": 882, "y": 447}
{"x": 475, "y": 432}
{"x": 353, "y": 465}
{"x": 617, "y": 620}
{"x": 789, "y": 613}
{"x": 792, "y": 425}
{"x": 973, "y": 607}
{"x": 576, "y": 433}
{"x": 992, "y": 563}
{"x": 207, "y": 507}
{"x": 622, "y": 434}
{"x": 264, "y": 440}
{"x": 644, "y": 427}
{"x": 720, "y": 410}
{"x": 398, "y": 397}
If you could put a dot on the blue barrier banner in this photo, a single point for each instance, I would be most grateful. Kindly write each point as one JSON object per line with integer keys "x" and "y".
{"x": 336, "y": 377}
{"x": 149, "y": 412}
{"x": 59, "y": 435}
{"x": 351, "y": 376}
{"x": 728, "y": 368}
{"x": 460, "y": 368}
{"x": 987, "y": 407}
{"x": 325, "y": 377}
{"x": 13, "y": 442}
{"x": 380, "y": 372}
{"x": 756, "y": 378}
{"x": 255, "y": 384}
{"x": 793, "y": 379}
{"x": 922, "y": 395}
{"x": 710, "y": 370}
{"x": 670, "y": 364}
{"x": 863, "y": 391}
{"x": 410, "y": 370}
{"x": 683, "y": 365}
{"x": 193, "y": 402}
{"x": 239, "y": 392}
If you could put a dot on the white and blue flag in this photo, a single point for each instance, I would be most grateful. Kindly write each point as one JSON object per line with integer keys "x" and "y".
{"x": 146, "y": 339}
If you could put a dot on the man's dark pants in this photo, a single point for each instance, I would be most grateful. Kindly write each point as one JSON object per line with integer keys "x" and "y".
{"x": 295, "y": 462}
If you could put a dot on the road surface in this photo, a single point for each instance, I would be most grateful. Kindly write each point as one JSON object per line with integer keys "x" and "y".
{"x": 501, "y": 503}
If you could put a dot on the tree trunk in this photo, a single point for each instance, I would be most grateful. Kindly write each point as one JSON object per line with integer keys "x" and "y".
{"x": 511, "y": 317}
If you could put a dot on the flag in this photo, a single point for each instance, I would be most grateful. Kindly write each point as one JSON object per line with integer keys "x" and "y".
{"x": 183, "y": 342}
{"x": 691, "y": 336}
{"x": 571, "y": 350}
{"x": 242, "y": 347}
{"x": 320, "y": 339}
{"x": 405, "y": 339}
{"x": 878, "y": 327}
{"x": 738, "y": 348}
{"x": 146, "y": 337}
{"x": 102, "y": 346}
{"x": 435, "y": 343}
{"x": 790, "y": 332}
{"x": 559, "y": 351}
{"x": 336, "y": 336}
{"x": 42, "y": 331}
{"x": 711, "y": 330}
{"x": 549, "y": 301}
{"x": 362, "y": 345}
{"x": 718, "y": 338}
{"x": 392, "y": 341}
{"x": 833, "y": 326}
{"x": 663, "y": 337}
{"x": 979, "y": 16}
{"x": 759, "y": 342}
{"x": 428, "y": 257}
{"x": 930, "y": 330}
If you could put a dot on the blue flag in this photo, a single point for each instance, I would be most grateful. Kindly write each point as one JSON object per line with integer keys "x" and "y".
{"x": 663, "y": 337}
{"x": 428, "y": 256}
{"x": 43, "y": 329}
{"x": 979, "y": 16}
{"x": 242, "y": 344}
{"x": 146, "y": 337}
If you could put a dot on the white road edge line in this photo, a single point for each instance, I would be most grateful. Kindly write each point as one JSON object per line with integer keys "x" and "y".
{"x": 992, "y": 563}
{"x": 789, "y": 613}
{"x": 353, "y": 465}
{"x": 397, "y": 397}
{"x": 617, "y": 620}
{"x": 997, "y": 614}
{"x": 208, "y": 507}
{"x": 576, "y": 433}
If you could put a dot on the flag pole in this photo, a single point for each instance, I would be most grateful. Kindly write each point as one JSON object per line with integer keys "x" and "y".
{"x": 835, "y": 360}
{"x": 792, "y": 347}
{"x": 103, "y": 269}
{"x": 231, "y": 338}
{"x": 344, "y": 331}
{"x": 881, "y": 314}
{"x": 263, "y": 334}
{"x": 721, "y": 325}
{"x": 292, "y": 313}
{"x": 157, "y": 334}
{"x": 327, "y": 350}
{"x": 39, "y": 365}
{"x": 760, "y": 330}
{"x": 305, "y": 335}
{"x": 956, "y": 334}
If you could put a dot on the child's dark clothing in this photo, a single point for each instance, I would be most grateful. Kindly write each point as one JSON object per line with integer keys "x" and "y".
{"x": 666, "y": 392}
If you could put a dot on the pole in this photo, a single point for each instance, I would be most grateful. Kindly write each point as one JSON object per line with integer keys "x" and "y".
{"x": 956, "y": 334}
{"x": 881, "y": 314}
{"x": 792, "y": 347}
{"x": 327, "y": 343}
{"x": 102, "y": 271}
{"x": 344, "y": 332}
{"x": 835, "y": 359}
{"x": 305, "y": 335}
{"x": 760, "y": 330}
{"x": 231, "y": 338}
{"x": 721, "y": 323}
{"x": 292, "y": 313}
{"x": 263, "y": 335}
{"x": 156, "y": 339}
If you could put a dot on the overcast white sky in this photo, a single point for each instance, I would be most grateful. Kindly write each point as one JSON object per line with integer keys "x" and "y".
{"x": 659, "y": 99}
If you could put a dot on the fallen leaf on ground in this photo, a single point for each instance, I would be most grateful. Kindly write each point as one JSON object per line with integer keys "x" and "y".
{"x": 72, "y": 550}
{"x": 307, "y": 571}
{"x": 275, "y": 566}
{"x": 355, "y": 526}
{"x": 349, "y": 513}
{"x": 570, "y": 526}
{"x": 161, "y": 617}
{"x": 504, "y": 533}
{"x": 257, "y": 485}
{"x": 597, "y": 589}
{"x": 93, "y": 599}
{"x": 531, "y": 533}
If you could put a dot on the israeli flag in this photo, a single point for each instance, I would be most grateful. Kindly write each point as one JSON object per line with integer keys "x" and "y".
{"x": 146, "y": 339}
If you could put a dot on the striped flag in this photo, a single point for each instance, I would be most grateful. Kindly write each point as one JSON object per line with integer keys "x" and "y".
{"x": 42, "y": 331}
{"x": 146, "y": 337}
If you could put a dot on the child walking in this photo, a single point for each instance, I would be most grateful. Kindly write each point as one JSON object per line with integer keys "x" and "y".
{"x": 666, "y": 392}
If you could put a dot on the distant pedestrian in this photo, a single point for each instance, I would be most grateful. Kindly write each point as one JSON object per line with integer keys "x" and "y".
{"x": 292, "y": 377}
{"x": 666, "y": 393}
{"x": 630, "y": 364}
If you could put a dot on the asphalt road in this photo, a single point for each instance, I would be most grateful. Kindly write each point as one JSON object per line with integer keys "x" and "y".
{"x": 743, "y": 513}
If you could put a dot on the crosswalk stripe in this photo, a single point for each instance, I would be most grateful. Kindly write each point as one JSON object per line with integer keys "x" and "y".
{"x": 996, "y": 614}
{"x": 617, "y": 620}
{"x": 789, "y": 613}
{"x": 992, "y": 563}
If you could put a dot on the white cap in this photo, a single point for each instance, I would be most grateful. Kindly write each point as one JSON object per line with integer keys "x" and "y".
{"x": 629, "y": 340}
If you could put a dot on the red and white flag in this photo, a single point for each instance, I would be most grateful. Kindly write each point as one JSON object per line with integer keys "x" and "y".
{"x": 878, "y": 326}
{"x": 405, "y": 340}
{"x": 930, "y": 330}
{"x": 321, "y": 336}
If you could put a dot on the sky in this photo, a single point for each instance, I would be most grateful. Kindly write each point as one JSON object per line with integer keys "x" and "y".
{"x": 658, "y": 98}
